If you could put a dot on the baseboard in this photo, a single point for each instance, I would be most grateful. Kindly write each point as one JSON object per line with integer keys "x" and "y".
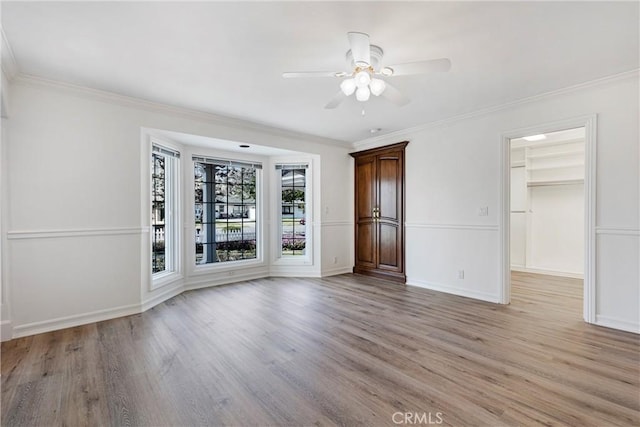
{"x": 336, "y": 271}
{"x": 160, "y": 298}
{"x": 547, "y": 272}
{"x": 208, "y": 282}
{"x": 6, "y": 330}
{"x": 614, "y": 323}
{"x": 484, "y": 296}
{"x": 294, "y": 271}
{"x": 293, "y": 274}
{"x": 75, "y": 320}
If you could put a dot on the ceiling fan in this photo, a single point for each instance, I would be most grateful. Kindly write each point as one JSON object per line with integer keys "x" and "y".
{"x": 364, "y": 64}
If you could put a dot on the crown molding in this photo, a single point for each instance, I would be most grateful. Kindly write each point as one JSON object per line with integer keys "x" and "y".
{"x": 9, "y": 64}
{"x": 157, "y": 107}
{"x": 402, "y": 134}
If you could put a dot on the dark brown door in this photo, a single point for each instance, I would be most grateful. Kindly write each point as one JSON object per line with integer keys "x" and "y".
{"x": 389, "y": 222}
{"x": 366, "y": 253}
{"x": 379, "y": 211}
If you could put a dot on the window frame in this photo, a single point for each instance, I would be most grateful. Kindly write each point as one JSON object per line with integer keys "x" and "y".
{"x": 172, "y": 231}
{"x": 279, "y": 257}
{"x": 201, "y": 269}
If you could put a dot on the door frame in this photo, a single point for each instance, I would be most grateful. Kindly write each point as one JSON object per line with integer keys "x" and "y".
{"x": 589, "y": 122}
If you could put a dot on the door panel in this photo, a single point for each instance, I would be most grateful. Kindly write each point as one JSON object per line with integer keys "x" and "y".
{"x": 388, "y": 247}
{"x": 365, "y": 186}
{"x": 365, "y": 202}
{"x": 365, "y": 241}
{"x": 390, "y": 187}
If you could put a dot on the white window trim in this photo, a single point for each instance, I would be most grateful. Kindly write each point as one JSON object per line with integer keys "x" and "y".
{"x": 173, "y": 253}
{"x": 229, "y": 266}
{"x": 279, "y": 258}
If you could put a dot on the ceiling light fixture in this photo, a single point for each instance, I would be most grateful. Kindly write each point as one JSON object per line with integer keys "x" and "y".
{"x": 363, "y": 84}
{"x": 535, "y": 137}
{"x": 377, "y": 86}
{"x": 363, "y": 93}
{"x": 348, "y": 86}
{"x": 363, "y": 78}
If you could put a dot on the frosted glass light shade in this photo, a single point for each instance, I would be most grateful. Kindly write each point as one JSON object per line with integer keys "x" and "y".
{"x": 362, "y": 94}
{"x": 377, "y": 86}
{"x": 348, "y": 86}
{"x": 362, "y": 79}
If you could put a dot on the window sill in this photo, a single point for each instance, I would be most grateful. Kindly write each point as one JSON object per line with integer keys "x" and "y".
{"x": 159, "y": 280}
{"x": 202, "y": 269}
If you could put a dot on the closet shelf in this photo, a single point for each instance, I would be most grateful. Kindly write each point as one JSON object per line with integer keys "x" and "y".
{"x": 541, "y": 168}
{"x": 559, "y": 154}
{"x": 554, "y": 182}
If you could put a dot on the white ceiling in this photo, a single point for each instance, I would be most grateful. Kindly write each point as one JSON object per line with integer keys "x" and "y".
{"x": 227, "y": 58}
{"x": 221, "y": 144}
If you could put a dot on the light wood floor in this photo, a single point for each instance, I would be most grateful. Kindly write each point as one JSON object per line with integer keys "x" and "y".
{"x": 345, "y": 350}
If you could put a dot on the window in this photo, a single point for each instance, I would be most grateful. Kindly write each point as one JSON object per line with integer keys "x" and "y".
{"x": 226, "y": 214}
{"x": 293, "y": 203}
{"x": 164, "y": 238}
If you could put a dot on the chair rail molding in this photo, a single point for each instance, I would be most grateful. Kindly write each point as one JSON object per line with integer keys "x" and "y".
{"x": 74, "y": 232}
{"x": 476, "y": 227}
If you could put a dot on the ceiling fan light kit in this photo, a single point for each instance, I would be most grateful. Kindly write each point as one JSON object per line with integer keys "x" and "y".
{"x": 377, "y": 86}
{"x": 365, "y": 59}
{"x": 363, "y": 78}
{"x": 363, "y": 93}
{"x": 348, "y": 86}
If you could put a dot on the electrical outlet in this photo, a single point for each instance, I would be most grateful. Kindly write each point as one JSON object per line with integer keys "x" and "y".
{"x": 483, "y": 211}
{"x": 335, "y": 259}
{"x": 460, "y": 274}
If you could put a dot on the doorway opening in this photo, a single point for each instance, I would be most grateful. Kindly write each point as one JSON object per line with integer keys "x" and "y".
{"x": 548, "y": 216}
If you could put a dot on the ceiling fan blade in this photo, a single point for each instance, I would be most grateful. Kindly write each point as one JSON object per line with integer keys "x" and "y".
{"x": 395, "y": 96}
{"x": 360, "y": 48}
{"x": 292, "y": 74}
{"x": 420, "y": 67}
{"x": 336, "y": 100}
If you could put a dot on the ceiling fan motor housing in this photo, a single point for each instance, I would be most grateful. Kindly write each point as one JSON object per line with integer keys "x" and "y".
{"x": 376, "y": 54}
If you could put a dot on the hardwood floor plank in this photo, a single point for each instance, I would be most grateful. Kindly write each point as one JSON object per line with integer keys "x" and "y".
{"x": 345, "y": 350}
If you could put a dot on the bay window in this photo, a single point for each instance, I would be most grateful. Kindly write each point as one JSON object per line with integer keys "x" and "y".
{"x": 164, "y": 209}
{"x": 293, "y": 195}
{"x": 226, "y": 210}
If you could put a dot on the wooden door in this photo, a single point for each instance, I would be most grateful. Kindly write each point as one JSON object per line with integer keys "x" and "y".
{"x": 366, "y": 235}
{"x": 389, "y": 222}
{"x": 379, "y": 212}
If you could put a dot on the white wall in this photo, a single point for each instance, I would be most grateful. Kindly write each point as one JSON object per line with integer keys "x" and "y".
{"x": 453, "y": 169}
{"x": 557, "y": 229}
{"x": 77, "y": 236}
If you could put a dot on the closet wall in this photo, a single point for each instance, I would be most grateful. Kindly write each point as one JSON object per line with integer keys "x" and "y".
{"x": 547, "y": 204}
